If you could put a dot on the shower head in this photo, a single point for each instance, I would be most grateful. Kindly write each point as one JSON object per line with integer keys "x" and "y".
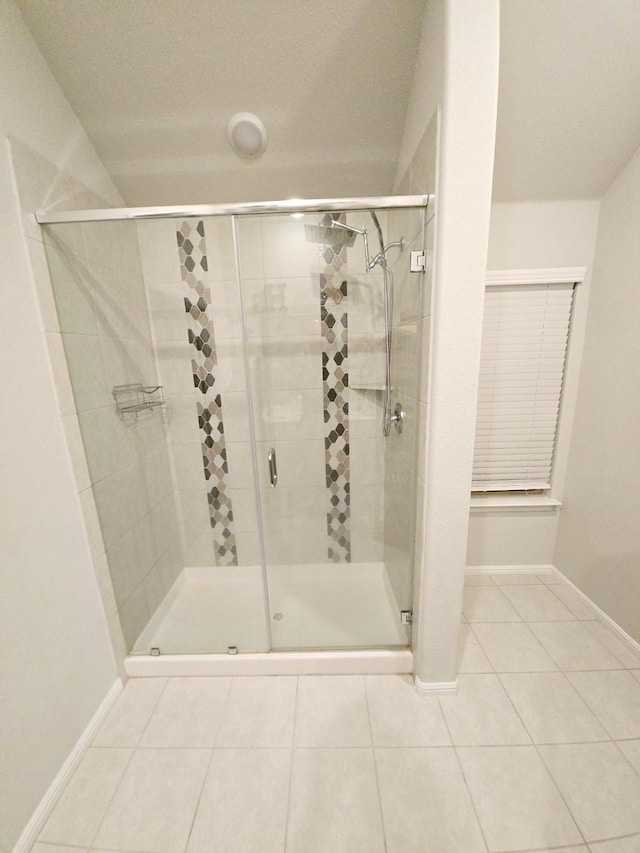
{"x": 332, "y": 233}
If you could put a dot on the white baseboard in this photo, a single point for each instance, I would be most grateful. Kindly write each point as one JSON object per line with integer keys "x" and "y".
{"x": 38, "y": 819}
{"x": 627, "y": 638}
{"x": 435, "y": 688}
{"x": 520, "y": 569}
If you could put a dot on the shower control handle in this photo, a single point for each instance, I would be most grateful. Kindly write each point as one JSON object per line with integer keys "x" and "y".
{"x": 273, "y": 467}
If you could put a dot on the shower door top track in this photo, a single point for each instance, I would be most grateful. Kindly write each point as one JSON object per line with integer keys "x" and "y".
{"x": 291, "y": 205}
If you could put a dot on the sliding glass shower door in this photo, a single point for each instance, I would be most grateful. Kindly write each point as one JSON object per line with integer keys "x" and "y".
{"x": 316, "y": 338}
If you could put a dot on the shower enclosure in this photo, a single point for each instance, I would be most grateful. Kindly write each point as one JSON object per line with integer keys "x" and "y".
{"x": 246, "y": 381}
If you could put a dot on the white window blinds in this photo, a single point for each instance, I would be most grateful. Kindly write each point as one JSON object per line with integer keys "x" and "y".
{"x": 524, "y": 343}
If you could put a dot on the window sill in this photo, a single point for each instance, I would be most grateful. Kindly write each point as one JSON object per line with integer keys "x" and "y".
{"x": 517, "y": 503}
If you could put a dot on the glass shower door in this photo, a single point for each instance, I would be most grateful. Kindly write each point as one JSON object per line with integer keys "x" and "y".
{"x": 315, "y": 334}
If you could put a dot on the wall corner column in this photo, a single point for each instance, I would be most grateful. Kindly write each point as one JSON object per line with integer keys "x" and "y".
{"x": 463, "y": 194}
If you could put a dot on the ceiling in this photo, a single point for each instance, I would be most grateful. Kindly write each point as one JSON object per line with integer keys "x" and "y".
{"x": 154, "y": 83}
{"x": 569, "y": 97}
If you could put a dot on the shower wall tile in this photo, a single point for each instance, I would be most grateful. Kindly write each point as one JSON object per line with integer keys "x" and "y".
{"x": 285, "y": 251}
{"x": 248, "y": 545}
{"x": 193, "y": 511}
{"x": 187, "y": 460}
{"x": 73, "y": 294}
{"x": 198, "y": 549}
{"x": 88, "y": 372}
{"x": 240, "y": 459}
{"x": 231, "y": 373}
{"x": 126, "y": 571}
{"x": 134, "y": 616}
{"x": 221, "y": 258}
{"x": 98, "y": 428}
{"x": 166, "y": 303}
{"x": 367, "y": 544}
{"x": 365, "y": 414}
{"x": 244, "y": 510}
{"x": 160, "y": 264}
{"x": 367, "y": 460}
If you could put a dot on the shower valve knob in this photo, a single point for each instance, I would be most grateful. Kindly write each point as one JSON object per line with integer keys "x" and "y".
{"x": 397, "y": 417}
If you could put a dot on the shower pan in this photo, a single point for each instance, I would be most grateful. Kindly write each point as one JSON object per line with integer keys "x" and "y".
{"x": 279, "y": 337}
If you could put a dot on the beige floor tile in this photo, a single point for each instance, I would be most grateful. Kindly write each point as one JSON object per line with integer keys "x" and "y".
{"x": 334, "y": 805}
{"x": 631, "y": 844}
{"x": 471, "y": 655}
{"x": 537, "y": 604}
{"x": 551, "y": 709}
{"x": 332, "y": 711}
{"x": 243, "y": 807}
{"x": 260, "y": 712}
{"x": 425, "y": 802}
{"x": 636, "y": 673}
{"x": 599, "y": 786}
{"x": 481, "y": 713}
{"x": 572, "y": 646}
{"x": 614, "y": 697}
{"x": 516, "y": 579}
{"x": 78, "y": 812}
{"x": 128, "y": 717}
{"x": 487, "y": 604}
{"x": 511, "y": 647}
{"x": 518, "y": 805}
{"x": 572, "y": 600}
{"x": 615, "y": 644}
{"x": 188, "y": 713}
{"x": 631, "y": 751}
{"x": 400, "y": 716}
{"x": 154, "y": 805}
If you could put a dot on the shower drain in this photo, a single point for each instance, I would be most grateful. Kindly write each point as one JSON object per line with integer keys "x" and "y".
{"x": 278, "y": 616}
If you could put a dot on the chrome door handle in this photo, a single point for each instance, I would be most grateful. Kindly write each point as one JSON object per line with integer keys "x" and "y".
{"x": 273, "y": 467}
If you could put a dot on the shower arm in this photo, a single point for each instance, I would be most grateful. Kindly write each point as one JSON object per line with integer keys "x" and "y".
{"x": 380, "y": 258}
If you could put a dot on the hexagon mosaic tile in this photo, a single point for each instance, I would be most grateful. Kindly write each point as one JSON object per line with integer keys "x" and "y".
{"x": 335, "y": 388}
{"x": 192, "y": 252}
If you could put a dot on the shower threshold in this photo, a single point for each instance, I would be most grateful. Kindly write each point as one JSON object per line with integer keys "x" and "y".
{"x": 338, "y": 619}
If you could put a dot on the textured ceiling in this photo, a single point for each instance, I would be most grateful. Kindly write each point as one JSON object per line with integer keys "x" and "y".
{"x": 569, "y": 98}
{"x": 154, "y": 83}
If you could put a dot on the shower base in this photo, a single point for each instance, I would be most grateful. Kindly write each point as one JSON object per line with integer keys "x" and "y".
{"x": 349, "y": 609}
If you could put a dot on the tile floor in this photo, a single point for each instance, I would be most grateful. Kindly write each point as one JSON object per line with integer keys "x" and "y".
{"x": 540, "y": 750}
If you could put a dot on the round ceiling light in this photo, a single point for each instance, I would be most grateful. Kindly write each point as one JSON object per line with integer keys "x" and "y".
{"x": 247, "y": 135}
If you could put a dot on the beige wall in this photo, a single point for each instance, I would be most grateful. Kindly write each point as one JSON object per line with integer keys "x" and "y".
{"x": 598, "y": 542}
{"x": 55, "y": 656}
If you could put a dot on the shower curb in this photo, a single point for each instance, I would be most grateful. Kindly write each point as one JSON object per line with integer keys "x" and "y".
{"x": 375, "y": 662}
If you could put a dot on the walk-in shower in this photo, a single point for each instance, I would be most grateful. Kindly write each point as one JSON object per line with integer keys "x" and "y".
{"x": 231, "y": 367}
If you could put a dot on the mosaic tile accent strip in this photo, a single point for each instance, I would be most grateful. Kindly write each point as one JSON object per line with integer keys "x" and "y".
{"x": 335, "y": 386}
{"x": 192, "y": 251}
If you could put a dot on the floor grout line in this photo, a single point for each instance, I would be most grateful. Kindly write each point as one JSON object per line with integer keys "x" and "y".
{"x": 293, "y": 742}
{"x": 549, "y": 774}
{"x": 209, "y": 763}
{"x": 375, "y": 763}
{"x": 464, "y": 778}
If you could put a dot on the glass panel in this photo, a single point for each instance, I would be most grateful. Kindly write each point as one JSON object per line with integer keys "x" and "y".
{"x": 156, "y": 303}
{"x": 339, "y": 524}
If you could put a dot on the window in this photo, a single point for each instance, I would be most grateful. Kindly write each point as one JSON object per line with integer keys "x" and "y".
{"x": 524, "y": 345}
